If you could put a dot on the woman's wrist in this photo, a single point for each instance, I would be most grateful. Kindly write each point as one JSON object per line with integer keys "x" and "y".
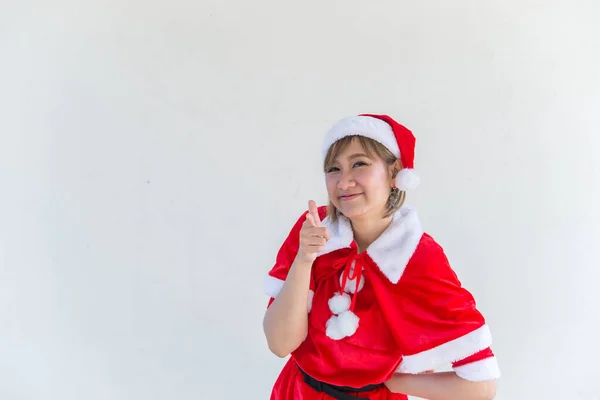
{"x": 394, "y": 384}
{"x": 302, "y": 264}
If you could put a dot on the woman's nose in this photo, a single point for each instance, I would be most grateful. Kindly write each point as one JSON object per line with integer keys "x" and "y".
{"x": 346, "y": 181}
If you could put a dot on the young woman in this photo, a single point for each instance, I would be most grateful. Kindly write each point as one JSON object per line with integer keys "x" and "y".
{"x": 365, "y": 302}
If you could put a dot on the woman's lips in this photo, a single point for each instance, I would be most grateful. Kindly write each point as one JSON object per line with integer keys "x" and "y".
{"x": 350, "y": 196}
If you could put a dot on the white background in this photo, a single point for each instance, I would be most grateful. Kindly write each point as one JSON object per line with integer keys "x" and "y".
{"x": 153, "y": 156}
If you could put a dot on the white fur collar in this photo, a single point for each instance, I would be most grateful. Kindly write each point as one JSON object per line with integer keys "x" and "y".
{"x": 391, "y": 251}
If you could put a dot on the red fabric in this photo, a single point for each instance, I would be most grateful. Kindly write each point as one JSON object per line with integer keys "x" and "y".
{"x": 426, "y": 308}
{"x": 290, "y": 386}
{"x": 369, "y": 356}
{"x": 480, "y": 355}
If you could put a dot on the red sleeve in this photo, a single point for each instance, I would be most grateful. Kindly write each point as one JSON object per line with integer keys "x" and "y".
{"x": 434, "y": 319}
{"x": 283, "y": 261}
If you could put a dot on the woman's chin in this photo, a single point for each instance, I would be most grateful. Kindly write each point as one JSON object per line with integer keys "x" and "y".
{"x": 352, "y": 212}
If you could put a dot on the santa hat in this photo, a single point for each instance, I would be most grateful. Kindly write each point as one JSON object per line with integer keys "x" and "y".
{"x": 382, "y": 128}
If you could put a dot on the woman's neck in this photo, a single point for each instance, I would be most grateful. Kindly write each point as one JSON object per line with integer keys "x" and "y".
{"x": 368, "y": 229}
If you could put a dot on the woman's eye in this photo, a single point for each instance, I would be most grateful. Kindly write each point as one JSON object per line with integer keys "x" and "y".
{"x": 332, "y": 169}
{"x": 360, "y": 164}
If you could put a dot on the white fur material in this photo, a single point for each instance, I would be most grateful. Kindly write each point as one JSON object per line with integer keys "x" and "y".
{"x": 272, "y": 287}
{"x": 478, "y": 371}
{"x": 339, "y": 303}
{"x": 348, "y": 323}
{"x": 340, "y": 234}
{"x": 332, "y": 328}
{"x": 341, "y": 326}
{"x": 448, "y": 352}
{"x": 311, "y": 294}
{"x": 393, "y": 248}
{"x": 407, "y": 179}
{"x": 370, "y": 127}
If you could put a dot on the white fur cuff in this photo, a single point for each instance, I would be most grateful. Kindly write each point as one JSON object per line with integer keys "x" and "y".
{"x": 448, "y": 352}
{"x": 483, "y": 370}
{"x": 272, "y": 287}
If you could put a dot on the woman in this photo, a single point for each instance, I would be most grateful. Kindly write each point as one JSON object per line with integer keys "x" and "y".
{"x": 365, "y": 301}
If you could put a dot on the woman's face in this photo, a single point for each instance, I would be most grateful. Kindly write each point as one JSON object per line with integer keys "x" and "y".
{"x": 358, "y": 185}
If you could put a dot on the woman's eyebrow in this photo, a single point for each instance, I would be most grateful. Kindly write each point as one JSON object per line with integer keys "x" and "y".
{"x": 358, "y": 155}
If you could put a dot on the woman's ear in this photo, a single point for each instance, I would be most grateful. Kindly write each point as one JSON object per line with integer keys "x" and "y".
{"x": 395, "y": 167}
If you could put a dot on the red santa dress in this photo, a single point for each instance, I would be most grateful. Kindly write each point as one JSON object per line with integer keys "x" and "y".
{"x": 396, "y": 307}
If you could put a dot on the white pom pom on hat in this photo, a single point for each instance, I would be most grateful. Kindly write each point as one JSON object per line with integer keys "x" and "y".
{"x": 407, "y": 179}
{"x": 384, "y": 129}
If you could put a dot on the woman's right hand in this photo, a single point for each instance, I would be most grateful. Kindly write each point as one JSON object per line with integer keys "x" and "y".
{"x": 313, "y": 236}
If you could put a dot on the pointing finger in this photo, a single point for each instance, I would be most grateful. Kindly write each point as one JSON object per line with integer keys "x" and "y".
{"x": 313, "y": 210}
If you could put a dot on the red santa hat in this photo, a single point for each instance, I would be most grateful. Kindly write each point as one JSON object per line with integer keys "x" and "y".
{"x": 382, "y": 128}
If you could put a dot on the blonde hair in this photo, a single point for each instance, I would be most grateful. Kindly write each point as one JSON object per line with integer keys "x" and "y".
{"x": 373, "y": 149}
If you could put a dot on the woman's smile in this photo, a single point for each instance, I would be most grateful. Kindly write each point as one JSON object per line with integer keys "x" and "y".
{"x": 347, "y": 197}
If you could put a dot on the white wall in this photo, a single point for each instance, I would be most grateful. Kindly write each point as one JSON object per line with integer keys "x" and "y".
{"x": 153, "y": 155}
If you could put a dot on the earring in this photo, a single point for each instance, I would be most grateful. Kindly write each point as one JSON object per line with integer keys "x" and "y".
{"x": 394, "y": 195}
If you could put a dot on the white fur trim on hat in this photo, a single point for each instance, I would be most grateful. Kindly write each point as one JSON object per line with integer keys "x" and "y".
{"x": 407, "y": 179}
{"x": 370, "y": 127}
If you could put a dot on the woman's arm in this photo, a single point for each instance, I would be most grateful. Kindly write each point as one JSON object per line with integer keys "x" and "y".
{"x": 441, "y": 386}
{"x": 286, "y": 320}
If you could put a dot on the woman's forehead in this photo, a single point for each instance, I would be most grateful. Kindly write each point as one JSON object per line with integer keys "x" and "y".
{"x": 352, "y": 148}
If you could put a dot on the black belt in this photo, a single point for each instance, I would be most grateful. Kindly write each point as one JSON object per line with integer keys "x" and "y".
{"x": 337, "y": 392}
